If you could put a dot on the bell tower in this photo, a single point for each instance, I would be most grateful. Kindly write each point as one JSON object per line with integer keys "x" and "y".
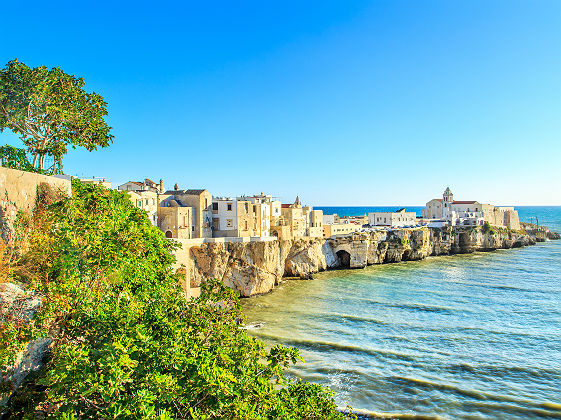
{"x": 447, "y": 200}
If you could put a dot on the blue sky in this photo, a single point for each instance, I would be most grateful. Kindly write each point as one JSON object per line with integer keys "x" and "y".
{"x": 343, "y": 103}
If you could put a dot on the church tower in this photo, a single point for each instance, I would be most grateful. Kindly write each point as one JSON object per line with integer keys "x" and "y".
{"x": 447, "y": 200}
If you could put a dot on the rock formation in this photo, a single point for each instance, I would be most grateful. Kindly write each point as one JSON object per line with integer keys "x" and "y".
{"x": 19, "y": 306}
{"x": 257, "y": 267}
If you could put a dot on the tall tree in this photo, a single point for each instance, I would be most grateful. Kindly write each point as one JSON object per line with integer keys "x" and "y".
{"x": 50, "y": 110}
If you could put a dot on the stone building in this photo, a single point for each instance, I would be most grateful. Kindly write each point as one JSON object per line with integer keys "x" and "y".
{"x": 175, "y": 220}
{"x": 200, "y": 202}
{"x": 470, "y": 213}
{"x": 146, "y": 185}
{"x": 397, "y": 218}
{"x": 101, "y": 181}
{"x": 339, "y": 229}
{"x": 147, "y": 201}
{"x": 245, "y": 216}
{"x": 145, "y": 196}
{"x": 315, "y": 227}
{"x": 298, "y": 221}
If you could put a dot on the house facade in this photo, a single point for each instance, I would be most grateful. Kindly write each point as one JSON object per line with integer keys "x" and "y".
{"x": 144, "y": 195}
{"x": 398, "y": 218}
{"x": 334, "y": 229}
{"x": 200, "y": 202}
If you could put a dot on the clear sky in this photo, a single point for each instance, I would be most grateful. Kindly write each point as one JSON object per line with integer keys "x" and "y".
{"x": 341, "y": 102}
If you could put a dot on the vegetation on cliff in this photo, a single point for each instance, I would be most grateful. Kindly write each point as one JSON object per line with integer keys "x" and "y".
{"x": 127, "y": 343}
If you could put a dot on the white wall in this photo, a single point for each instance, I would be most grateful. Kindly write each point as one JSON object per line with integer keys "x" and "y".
{"x": 392, "y": 219}
{"x": 224, "y": 214}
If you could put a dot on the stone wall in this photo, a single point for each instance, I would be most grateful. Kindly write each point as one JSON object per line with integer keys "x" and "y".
{"x": 257, "y": 267}
{"x": 18, "y": 190}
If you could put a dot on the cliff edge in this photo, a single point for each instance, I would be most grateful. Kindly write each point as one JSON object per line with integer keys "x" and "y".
{"x": 257, "y": 267}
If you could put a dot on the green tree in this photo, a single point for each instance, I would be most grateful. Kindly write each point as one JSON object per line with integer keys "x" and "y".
{"x": 50, "y": 110}
{"x": 130, "y": 346}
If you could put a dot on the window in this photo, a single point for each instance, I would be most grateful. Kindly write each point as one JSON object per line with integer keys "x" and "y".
{"x": 146, "y": 201}
{"x": 139, "y": 203}
{"x": 206, "y": 203}
{"x": 255, "y": 208}
{"x": 215, "y": 206}
{"x": 229, "y": 223}
{"x": 184, "y": 224}
{"x": 246, "y": 222}
{"x": 246, "y": 208}
{"x": 193, "y": 228}
{"x": 229, "y": 206}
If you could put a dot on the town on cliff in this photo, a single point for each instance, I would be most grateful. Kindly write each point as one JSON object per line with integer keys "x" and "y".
{"x": 251, "y": 243}
{"x": 195, "y": 213}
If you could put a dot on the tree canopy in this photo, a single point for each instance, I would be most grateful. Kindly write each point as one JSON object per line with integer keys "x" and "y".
{"x": 129, "y": 345}
{"x": 50, "y": 110}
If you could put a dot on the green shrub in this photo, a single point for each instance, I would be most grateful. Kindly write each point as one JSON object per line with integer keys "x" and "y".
{"x": 131, "y": 346}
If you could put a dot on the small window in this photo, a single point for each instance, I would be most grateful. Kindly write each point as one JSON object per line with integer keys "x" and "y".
{"x": 206, "y": 203}
{"x": 246, "y": 208}
{"x": 246, "y": 222}
{"x": 139, "y": 203}
{"x": 229, "y": 206}
{"x": 215, "y": 206}
{"x": 229, "y": 223}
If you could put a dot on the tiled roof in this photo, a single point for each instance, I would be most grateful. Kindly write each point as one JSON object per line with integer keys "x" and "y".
{"x": 285, "y": 206}
{"x": 149, "y": 180}
{"x": 194, "y": 192}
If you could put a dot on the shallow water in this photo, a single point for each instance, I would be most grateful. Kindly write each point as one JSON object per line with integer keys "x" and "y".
{"x": 467, "y": 336}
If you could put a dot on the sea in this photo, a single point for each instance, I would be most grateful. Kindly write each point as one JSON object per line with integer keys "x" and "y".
{"x": 474, "y": 336}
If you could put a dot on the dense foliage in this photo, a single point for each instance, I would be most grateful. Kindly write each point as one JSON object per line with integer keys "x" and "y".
{"x": 50, "y": 110}
{"x": 129, "y": 345}
{"x": 16, "y": 158}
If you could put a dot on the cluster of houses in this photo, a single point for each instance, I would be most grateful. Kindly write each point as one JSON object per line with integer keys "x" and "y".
{"x": 195, "y": 213}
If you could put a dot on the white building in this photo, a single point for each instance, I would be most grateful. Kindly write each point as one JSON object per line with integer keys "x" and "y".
{"x": 145, "y": 195}
{"x": 447, "y": 211}
{"x": 245, "y": 216}
{"x": 147, "y": 185}
{"x": 398, "y": 218}
{"x": 330, "y": 219}
{"x": 224, "y": 217}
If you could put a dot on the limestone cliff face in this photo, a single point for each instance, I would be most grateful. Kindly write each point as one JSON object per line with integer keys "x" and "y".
{"x": 256, "y": 267}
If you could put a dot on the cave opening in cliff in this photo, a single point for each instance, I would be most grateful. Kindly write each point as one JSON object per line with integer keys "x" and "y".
{"x": 344, "y": 258}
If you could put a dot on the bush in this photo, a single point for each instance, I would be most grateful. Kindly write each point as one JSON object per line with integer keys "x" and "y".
{"x": 131, "y": 346}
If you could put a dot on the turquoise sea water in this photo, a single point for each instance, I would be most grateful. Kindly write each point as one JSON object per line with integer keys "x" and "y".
{"x": 467, "y": 336}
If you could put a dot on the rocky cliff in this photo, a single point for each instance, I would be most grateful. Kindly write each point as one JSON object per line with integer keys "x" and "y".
{"x": 256, "y": 267}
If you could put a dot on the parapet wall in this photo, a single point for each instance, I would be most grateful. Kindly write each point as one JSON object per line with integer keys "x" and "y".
{"x": 18, "y": 191}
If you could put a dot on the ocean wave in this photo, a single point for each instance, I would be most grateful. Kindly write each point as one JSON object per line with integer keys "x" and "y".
{"x": 415, "y": 307}
{"x": 507, "y": 372}
{"x": 495, "y": 402}
{"x": 325, "y": 346}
